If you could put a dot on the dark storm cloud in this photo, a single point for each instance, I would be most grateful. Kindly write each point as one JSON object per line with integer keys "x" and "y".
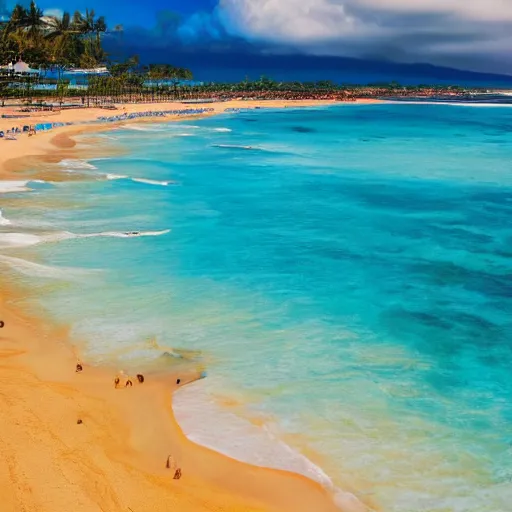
{"x": 475, "y": 34}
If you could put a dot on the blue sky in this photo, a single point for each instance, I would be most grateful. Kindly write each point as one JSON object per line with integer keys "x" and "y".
{"x": 466, "y": 34}
{"x": 125, "y": 11}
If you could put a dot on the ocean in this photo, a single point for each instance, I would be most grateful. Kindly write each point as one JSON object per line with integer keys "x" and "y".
{"x": 342, "y": 274}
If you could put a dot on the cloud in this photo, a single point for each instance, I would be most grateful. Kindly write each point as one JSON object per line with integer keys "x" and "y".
{"x": 436, "y": 31}
{"x": 466, "y": 34}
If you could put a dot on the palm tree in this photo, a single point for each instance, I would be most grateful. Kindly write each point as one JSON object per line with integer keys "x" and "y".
{"x": 100, "y": 27}
{"x": 61, "y": 34}
{"x": 33, "y": 22}
{"x": 61, "y": 29}
{"x": 18, "y": 19}
{"x": 88, "y": 22}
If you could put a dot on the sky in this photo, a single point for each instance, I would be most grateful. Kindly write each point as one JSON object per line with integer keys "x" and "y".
{"x": 465, "y": 34}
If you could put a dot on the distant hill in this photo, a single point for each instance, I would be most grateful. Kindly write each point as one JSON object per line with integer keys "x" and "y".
{"x": 225, "y": 65}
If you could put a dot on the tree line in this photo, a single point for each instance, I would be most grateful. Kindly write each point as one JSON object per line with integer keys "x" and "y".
{"x": 69, "y": 41}
{"x": 44, "y": 41}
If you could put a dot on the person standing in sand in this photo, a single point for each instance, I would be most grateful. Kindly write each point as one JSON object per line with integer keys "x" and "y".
{"x": 172, "y": 465}
{"x": 120, "y": 375}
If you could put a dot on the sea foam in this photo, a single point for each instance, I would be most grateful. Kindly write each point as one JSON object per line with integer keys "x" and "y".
{"x": 13, "y": 186}
{"x": 11, "y": 240}
{"x": 71, "y": 165}
{"x": 233, "y": 146}
{"x": 208, "y": 424}
{"x": 8, "y": 240}
{"x": 236, "y": 437}
{"x": 32, "y": 269}
{"x": 152, "y": 182}
{"x": 163, "y": 183}
{"x": 125, "y": 234}
{"x": 3, "y": 220}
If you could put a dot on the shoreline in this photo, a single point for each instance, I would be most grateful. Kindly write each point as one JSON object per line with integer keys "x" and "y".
{"x": 41, "y": 144}
{"x": 116, "y": 457}
{"x": 50, "y": 396}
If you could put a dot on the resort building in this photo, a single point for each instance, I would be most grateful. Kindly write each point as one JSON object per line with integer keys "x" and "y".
{"x": 20, "y": 68}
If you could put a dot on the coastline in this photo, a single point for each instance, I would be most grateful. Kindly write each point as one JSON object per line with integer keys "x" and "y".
{"x": 41, "y": 144}
{"x": 115, "y": 460}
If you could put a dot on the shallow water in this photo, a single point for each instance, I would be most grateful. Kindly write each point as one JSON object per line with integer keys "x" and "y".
{"x": 342, "y": 273}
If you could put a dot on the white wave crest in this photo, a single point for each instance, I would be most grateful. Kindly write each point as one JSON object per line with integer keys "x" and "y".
{"x": 8, "y": 240}
{"x": 71, "y": 165}
{"x": 152, "y": 182}
{"x": 232, "y": 146}
{"x": 222, "y": 130}
{"x": 111, "y": 177}
{"x": 11, "y": 240}
{"x": 13, "y": 186}
{"x": 3, "y": 220}
{"x": 126, "y": 234}
{"x": 164, "y": 183}
{"x": 138, "y": 128}
{"x": 149, "y": 127}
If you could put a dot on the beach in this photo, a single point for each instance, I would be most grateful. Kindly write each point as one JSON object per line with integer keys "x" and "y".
{"x": 115, "y": 458}
{"x": 338, "y": 276}
{"x": 40, "y": 144}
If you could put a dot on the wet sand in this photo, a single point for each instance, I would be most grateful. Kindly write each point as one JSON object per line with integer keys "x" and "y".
{"x": 114, "y": 460}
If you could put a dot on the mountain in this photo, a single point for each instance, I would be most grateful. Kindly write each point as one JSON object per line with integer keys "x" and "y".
{"x": 224, "y": 64}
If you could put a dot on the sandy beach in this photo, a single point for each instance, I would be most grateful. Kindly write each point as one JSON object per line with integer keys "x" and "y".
{"x": 71, "y": 441}
{"x": 40, "y": 144}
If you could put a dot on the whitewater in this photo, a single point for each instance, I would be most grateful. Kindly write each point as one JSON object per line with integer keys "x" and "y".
{"x": 342, "y": 274}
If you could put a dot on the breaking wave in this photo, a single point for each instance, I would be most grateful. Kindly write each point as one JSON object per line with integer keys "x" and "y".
{"x": 123, "y": 234}
{"x": 11, "y": 240}
{"x": 233, "y": 146}
{"x": 153, "y": 182}
{"x": 163, "y": 183}
{"x": 71, "y": 164}
{"x": 13, "y": 186}
{"x": 3, "y": 220}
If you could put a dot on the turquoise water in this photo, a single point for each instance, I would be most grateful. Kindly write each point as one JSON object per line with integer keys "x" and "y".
{"x": 344, "y": 275}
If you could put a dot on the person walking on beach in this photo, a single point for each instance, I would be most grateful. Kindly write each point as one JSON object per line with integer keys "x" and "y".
{"x": 172, "y": 465}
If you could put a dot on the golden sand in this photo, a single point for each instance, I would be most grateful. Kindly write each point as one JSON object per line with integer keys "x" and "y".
{"x": 72, "y": 442}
